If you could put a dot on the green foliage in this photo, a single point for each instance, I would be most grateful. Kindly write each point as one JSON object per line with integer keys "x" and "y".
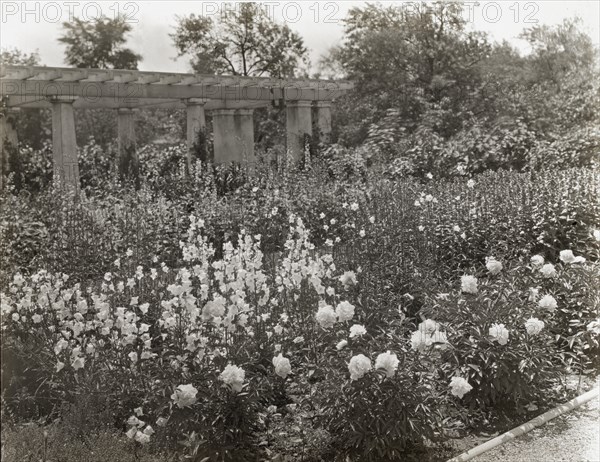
{"x": 431, "y": 96}
{"x": 29, "y": 443}
{"x": 98, "y": 44}
{"x": 244, "y": 40}
{"x": 407, "y": 243}
{"x": 378, "y": 418}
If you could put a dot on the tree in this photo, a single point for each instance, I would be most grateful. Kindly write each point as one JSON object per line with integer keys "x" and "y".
{"x": 243, "y": 41}
{"x": 412, "y": 61}
{"x": 17, "y": 57}
{"x": 559, "y": 50}
{"x": 98, "y": 44}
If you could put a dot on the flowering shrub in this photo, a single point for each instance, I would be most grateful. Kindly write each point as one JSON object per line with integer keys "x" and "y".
{"x": 377, "y": 409}
{"x": 506, "y": 339}
{"x": 171, "y": 342}
{"x": 366, "y": 312}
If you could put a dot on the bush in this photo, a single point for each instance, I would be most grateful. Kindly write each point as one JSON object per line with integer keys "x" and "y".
{"x": 509, "y": 335}
{"x": 205, "y": 349}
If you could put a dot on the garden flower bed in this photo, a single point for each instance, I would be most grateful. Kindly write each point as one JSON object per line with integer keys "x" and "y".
{"x": 371, "y": 321}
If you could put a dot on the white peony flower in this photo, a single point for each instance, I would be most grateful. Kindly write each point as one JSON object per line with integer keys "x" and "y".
{"x": 36, "y": 318}
{"x": 282, "y": 366}
{"x": 499, "y": 333}
{"x": 342, "y": 344}
{"x": 348, "y": 278}
{"x": 387, "y": 361}
{"x": 534, "y": 326}
{"x": 468, "y": 284}
{"x": 326, "y": 316}
{"x": 359, "y": 365}
{"x": 357, "y": 331}
{"x": 470, "y": 183}
{"x": 459, "y": 386}
{"x": 548, "y": 302}
{"x": 185, "y": 395}
{"x": 548, "y": 270}
{"x": 493, "y": 265}
{"x": 233, "y": 376}
{"x": 537, "y": 261}
{"x": 566, "y": 256}
{"x": 344, "y": 311}
{"x": 418, "y": 340}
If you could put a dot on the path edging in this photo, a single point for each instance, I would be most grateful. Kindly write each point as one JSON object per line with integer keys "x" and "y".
{"x": 527, "y": 427}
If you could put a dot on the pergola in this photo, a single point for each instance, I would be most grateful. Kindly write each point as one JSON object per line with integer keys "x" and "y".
{"x": 230, "y": 100}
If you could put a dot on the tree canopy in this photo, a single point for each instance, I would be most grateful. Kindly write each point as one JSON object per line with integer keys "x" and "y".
{"x": 242, "y": 41}
{"x": 98, "y": 44}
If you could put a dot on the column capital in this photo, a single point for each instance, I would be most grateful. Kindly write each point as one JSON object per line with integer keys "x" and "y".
{"x": 195, "y": 101}
{"x": 62, "y": 99}
{"x": 298, "y": 103}
{"x": 127, "y": 110}
{"x": 245, "y": 112}
{"x": 323, "y": 104}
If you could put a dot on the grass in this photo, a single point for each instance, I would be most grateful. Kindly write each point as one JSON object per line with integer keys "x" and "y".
{"x": 28, "y": 443}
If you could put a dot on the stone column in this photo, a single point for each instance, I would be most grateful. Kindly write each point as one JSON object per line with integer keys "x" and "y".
{"x": 196, "y": 123}
{"x": 244, "y": 126}
{"x": 128, "y": 158}
{"x": 298, "y": 124}
{"x": 323, "y": 116}
{"x": 233, "y": 135}
{"x": 64, "y": 144}
{"x": 8, "y": 140}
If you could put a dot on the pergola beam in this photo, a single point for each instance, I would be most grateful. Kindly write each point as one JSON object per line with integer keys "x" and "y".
{"x": 35, "y": 102}
{"x": 98, "y": 86}
{"x": 231, "y": 100}
{"x": 56, "y": 81}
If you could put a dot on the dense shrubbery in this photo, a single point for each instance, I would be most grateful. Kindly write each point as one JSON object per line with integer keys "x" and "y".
{"x": 447, "y": 224}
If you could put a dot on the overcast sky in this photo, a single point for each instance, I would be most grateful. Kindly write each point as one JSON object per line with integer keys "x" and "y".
{"x": 32, "y": 26}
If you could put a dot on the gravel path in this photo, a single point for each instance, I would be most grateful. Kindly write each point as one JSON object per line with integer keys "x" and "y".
{"x": 572, "y": 437}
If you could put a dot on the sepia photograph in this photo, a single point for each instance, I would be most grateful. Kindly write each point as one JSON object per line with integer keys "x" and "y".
{"x": 300, "y": 231}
